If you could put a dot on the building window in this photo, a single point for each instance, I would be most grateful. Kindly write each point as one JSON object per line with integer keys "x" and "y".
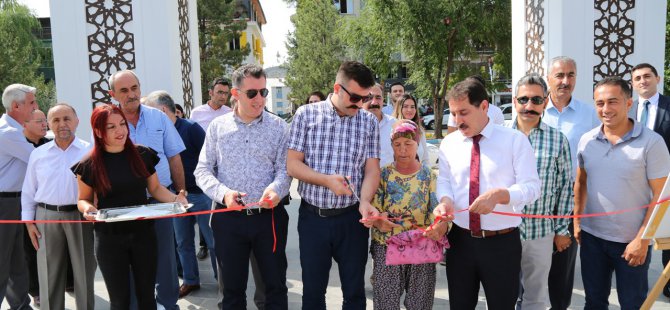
{"x": 234, "y": 44}
{"x": 280, "y": 104}
{"x": 344, "y": 6}
{"x": 279, "y": 92}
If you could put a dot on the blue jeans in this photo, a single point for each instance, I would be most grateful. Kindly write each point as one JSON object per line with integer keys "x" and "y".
{"x": 185, "y": 234}
{"x": 599, "y": 259}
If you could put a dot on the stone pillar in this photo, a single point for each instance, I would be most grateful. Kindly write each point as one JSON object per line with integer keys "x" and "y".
{"x": 94, "y": 38}
{"x": 605, "y": 37}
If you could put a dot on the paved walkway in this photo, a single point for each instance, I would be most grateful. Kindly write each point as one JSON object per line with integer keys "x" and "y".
{"x": 206, "y": 297}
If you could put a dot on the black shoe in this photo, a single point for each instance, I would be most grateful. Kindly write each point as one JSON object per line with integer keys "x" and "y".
{"x": 202, "y": 253}
{"x": 666, "y": 291}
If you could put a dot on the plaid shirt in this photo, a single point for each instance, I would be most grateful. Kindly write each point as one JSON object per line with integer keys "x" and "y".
{"x": 333, "y": 144}
{"x": 554, "y": 167}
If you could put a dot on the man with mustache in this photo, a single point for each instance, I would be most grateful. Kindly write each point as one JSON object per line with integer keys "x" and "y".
{"x": 50, "y": 193}
{"x": 152, "y": 128}
{"x": 484, "y": 167}
{"x": 573, "y": 118}
{"x": 330, "y": 141}
{"x": 622, "y": 164}
{"x": 552, "y": 154}
{"x": 385, "y": 124}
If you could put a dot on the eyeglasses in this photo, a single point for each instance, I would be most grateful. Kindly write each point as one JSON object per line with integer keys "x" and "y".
{"x": 355, "y": 98}
{"x": 537, "y": 100}
{"x": 221, "y": 93}
{"x": 251, "y": 93}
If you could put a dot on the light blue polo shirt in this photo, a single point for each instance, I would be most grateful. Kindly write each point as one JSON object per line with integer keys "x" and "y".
{"x": 155, "y": 130}
{"x": 617, "y": 177}
{"x": 574, "y": 121}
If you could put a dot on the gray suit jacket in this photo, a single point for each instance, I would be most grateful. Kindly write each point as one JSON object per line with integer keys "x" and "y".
{"x": 662, "y": 124}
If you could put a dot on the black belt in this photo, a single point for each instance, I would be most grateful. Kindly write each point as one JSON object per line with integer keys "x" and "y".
{"x": 64, "y": 208}
{"x": 327, "y": 212}
{"x": 488, "y": 233}
{"x": 251, "y": 211}
{"x": 10, "y": 194}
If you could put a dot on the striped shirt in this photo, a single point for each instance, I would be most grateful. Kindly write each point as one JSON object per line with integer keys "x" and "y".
{"x": 554, "y": 166}
{"x": 333, "y": 144}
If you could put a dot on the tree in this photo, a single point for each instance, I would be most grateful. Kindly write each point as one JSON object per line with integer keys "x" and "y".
{"x": 314, "y": 50}
{"x": 438, "y": 37}
{"x": 666, "y": 77}
{"x": 219, "y": 32}
{"x": 20, "y": 54}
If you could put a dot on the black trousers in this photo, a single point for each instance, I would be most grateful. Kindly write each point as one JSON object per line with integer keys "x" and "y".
{"x": 236, "y": 236}
{"x": 118, "y": 255}
{"x": 665, "y": 259}
{"x": 494, "y": 262}
{"x": 324, "y": 239}
{"x": 562, "y": 275}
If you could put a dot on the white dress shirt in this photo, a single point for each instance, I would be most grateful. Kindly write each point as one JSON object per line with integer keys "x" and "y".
{"x": 506, "y": 161}
{"x": 49, "y": 178}
{"x": 204, "y": 114}
{"x": 14, "y": 153}
{"x": 653, "y": 110}
{"x": 385, "y": 143}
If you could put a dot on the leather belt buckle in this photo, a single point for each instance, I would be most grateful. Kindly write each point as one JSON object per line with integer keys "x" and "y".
{"x": 253, "y": 211}
{"x": 482, "y": 234}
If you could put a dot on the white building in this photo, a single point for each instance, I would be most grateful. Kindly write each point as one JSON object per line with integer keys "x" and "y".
{"x": 278, "y": 100}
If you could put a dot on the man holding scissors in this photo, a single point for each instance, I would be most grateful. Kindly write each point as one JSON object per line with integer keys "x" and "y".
{"x": 244, "y": 160}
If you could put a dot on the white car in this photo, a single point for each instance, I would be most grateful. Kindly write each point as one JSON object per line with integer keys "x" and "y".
{"x": 429, "y": 120}
{"x": 507, "y": 111}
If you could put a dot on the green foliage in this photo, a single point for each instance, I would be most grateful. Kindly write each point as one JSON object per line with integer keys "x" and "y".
{"x": 314, "y": 49}
{"x": 20, "y": 52}
{"x": 666, "y": 77}
{"x": 437, "y": 37}
{"x": 216, "y": 29}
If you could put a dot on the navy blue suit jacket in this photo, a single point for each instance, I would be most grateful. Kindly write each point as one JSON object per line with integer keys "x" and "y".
{"x": 662, "y": 124}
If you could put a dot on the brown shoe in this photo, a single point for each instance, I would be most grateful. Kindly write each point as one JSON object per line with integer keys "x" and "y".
{"x": 186, "y": 289}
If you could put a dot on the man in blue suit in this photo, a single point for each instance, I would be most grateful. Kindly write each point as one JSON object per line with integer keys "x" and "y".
{"x": 653, "y": 111}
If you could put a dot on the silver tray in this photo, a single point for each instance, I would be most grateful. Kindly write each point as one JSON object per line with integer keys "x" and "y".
{"x": 147, "y": 211}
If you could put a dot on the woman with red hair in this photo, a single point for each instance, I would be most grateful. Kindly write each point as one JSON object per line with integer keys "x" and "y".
{"x": 118, "y": 173}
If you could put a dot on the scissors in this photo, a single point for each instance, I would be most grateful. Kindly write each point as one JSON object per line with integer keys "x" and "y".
{"x": 351, "y": 188}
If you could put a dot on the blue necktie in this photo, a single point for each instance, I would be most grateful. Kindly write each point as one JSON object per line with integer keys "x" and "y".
{"x": 645, "y": 113}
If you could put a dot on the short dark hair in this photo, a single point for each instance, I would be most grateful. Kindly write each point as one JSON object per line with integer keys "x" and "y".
{"x": 354, "y": 70}
{"x": 219, "y": 81}
{"x": 642, "y": 66}
{"x": 398, "y": 84}
{"x": 616, "y": 81}
{"x": 477, "y": 78}
{"x": 178, "y": 107}
{"x": 240, "y": 73}
{"x": 470, "y": 88}
{"x": 317, "y": 93}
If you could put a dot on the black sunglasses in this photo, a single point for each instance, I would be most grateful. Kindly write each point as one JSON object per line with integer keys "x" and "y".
{"x": 537, "y": 100}
{"x": 354, "y": 98}
{"x": 251, "y": 93}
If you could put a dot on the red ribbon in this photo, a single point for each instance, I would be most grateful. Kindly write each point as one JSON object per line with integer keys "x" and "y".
{"x": 229, "y": 209}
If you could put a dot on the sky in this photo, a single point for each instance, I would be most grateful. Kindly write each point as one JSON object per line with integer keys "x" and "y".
{"x": 277, "y": 14}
